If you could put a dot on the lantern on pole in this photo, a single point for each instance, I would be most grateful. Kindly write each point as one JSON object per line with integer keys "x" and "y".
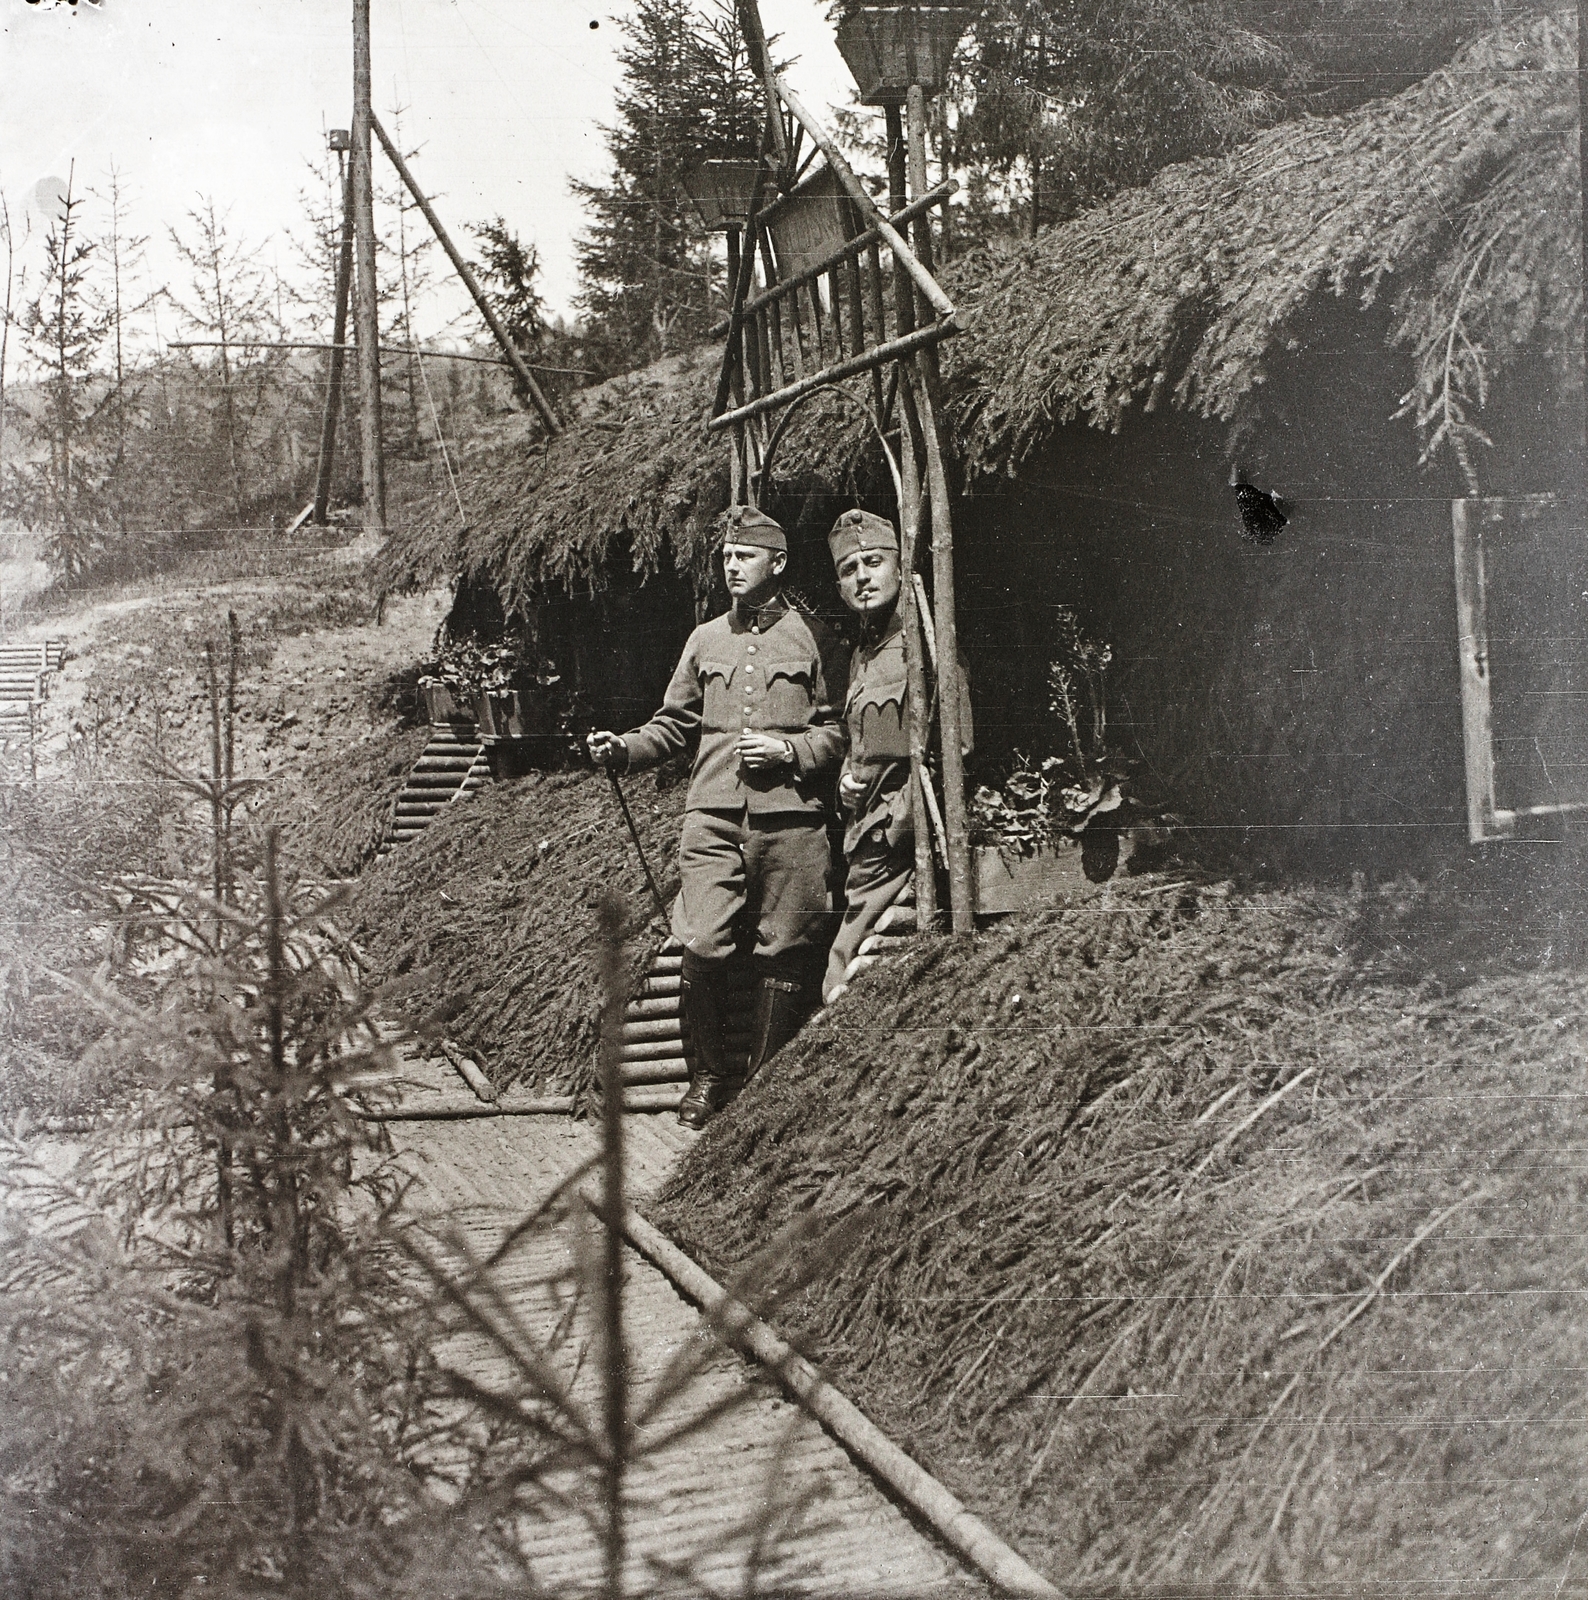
{"x": 722, "y": 191}
{"x": 890, "y": 47}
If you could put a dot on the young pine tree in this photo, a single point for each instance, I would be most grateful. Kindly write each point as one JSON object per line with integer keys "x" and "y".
{"x": 124, "y": 303}
{"x": 65, "y": 330}
{"x": 231, "y": 302}
{"x": 688, "y": 92}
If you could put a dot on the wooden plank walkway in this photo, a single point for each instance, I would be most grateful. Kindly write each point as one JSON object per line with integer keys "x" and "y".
{"x": 761, "y": 1500}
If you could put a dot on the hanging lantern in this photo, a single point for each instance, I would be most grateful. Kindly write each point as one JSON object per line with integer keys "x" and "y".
{"x": 889, "y": 47}
{"x": 721, "y": 191}
{"x": 811, "y": 222}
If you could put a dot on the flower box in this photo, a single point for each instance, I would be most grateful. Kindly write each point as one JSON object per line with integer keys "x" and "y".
{"x": 441, "y": 704}
{"x": 1002, "y": 882}
{"x": 512, "y": 714}
{"x": 722, "y": 191}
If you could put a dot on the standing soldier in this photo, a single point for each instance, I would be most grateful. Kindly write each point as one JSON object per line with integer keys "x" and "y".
{"x": 874, "y": 786}
{"x": 756, "y": 690}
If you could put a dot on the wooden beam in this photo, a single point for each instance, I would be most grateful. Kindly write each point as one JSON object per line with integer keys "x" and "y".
{"x": 878, "y": 355}
{"x": 514, "y": 356}
{"x": 366, "y": 312}
{"x": 761, "y": 60}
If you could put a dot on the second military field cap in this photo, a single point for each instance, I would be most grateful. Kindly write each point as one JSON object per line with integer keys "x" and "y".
{"x": 860, "y": 530}
{"x": 747, "y": 525}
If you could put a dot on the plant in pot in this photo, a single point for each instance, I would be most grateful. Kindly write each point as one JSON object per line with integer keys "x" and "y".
{"x": 451, "y": 682}
{"x": 1054, "y": 821}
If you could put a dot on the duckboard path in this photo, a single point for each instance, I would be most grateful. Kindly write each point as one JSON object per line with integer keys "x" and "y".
{"x": 760, "y": 1499}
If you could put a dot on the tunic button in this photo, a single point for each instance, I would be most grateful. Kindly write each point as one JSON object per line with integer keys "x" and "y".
{"x": 750, "y": 648}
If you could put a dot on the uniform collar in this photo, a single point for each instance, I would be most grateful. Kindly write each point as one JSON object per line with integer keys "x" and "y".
{"x": 762, "y": 616}
{"x": 873, "y": 634}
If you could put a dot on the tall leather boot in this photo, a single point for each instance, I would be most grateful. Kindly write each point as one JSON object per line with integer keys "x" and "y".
{"x": 711, "y": 1085}
{"x": 781, "y": 1008}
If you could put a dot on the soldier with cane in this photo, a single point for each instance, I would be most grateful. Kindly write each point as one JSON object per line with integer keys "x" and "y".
{"x": 755, "y": 691}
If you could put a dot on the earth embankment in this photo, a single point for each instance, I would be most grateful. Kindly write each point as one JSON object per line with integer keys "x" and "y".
{"x": 1217, "y": 1237}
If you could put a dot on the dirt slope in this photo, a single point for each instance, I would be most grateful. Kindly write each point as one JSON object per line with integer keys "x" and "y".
{"x": 490, "y": 916}
{"x": 1220, "y": 1238}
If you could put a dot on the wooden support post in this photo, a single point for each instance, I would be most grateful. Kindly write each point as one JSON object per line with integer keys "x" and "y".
{"x": 1582, "y": 175}
{"x": 366, "y": 315}
{"x": 333, "y": 382}
{"x": 741, "y": 293}
{"x": 951, "y": 743}
{"x": 916, "y": 688}
{"x": 922, "y": 231}
{"x": 515, "y": 358}
{"x": 951, "y": 746}
{"x": 1484, "y": 819}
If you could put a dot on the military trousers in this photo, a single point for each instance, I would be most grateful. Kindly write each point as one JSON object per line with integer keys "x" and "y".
{"x": 764, "y": 884}
{"x": 878, "y": 874}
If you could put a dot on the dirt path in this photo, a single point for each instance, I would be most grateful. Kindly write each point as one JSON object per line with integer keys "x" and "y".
{"x": 761, "y": 1471}
{"x": 308, "y": 698}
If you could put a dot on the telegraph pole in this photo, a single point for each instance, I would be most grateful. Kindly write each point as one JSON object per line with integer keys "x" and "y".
{"x": 365, "y": 318}
{"x": 333, "y": 384}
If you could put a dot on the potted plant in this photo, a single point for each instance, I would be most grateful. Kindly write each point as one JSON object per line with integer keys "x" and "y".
{"x": 1054, "y": 822}
{"x": 451, "y": 684}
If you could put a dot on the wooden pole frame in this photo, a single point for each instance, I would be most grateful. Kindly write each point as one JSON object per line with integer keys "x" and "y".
{"x": 873, "y": 218}
{"x": 951, "y": 752}
{"x": 333, "y": 382}
{"x": 366, "y": 317}
{"x": 515, "y": 359}
{"x": 916, "y": 330}
{"x": 915, "y": 667}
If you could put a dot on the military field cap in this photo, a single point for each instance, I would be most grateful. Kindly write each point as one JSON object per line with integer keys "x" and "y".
{"x": 860, "y": 530}
{"x": 747, "y": 525}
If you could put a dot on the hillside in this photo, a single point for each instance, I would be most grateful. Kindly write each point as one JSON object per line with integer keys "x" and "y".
{"x": 1219, "y": 1237}
{"x": 486, "y": 923}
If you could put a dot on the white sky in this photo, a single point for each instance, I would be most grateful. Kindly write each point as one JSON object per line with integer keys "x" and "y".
{"x": 504, "y": 100}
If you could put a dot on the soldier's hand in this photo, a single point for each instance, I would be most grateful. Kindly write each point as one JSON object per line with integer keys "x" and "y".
{"x": 761, "y": 752}
{"x": 607, "y": 749}
{"x": 850, "y": 791}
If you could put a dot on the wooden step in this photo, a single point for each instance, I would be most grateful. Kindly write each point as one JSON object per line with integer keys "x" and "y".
{"x": 662, "y": 1005}
{"x": 674, "y": 1069}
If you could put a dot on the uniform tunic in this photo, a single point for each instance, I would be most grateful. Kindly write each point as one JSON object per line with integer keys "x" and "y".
{"x": 879, "y": 841}
{"x": 754, "y": 854}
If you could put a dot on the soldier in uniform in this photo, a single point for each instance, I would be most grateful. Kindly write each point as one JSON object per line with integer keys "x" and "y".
{"x": 874, "y": 785}
{"x": 756, "y": 690}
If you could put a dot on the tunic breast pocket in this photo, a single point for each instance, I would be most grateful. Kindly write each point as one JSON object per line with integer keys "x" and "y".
{"x": 717, "y": 713}
{"x": 789, "y": 693}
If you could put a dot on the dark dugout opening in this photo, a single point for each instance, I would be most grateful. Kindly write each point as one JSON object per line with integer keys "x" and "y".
{"x": 1298, "y": 703}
